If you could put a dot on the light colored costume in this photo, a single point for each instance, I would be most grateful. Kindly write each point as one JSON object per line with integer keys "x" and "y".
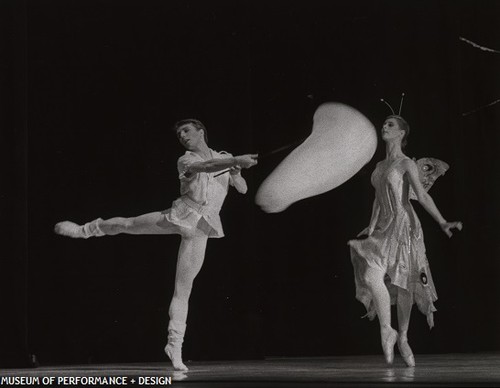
{"x": 202, "y": 196}
{"x": 195, "y": 216}
{"x": 196, "y": 211}
{"x": 395, "y": 244}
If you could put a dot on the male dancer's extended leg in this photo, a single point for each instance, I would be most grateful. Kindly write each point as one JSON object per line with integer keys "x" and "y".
{"x": 150, "y": 223}
{"x": 189, "y": 262}
{"x": 374, "y": 279}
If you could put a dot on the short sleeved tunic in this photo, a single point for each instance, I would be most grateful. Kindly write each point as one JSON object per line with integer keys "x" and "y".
{"x": 202, "y": 196}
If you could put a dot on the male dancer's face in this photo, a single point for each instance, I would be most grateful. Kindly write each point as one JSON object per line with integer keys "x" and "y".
{"x": 190, "y": 137}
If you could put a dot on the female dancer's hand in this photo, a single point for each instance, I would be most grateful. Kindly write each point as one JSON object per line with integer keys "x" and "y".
{"x": 363, "y": 235}
{"x": 447, "y": 226}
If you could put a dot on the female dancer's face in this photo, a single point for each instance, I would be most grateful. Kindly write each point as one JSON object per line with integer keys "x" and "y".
{"x": 391, "y": 130}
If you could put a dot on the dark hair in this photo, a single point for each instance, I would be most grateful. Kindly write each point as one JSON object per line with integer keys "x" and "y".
{"x": 403, "y": 125}
{"x": 195, "y": 123}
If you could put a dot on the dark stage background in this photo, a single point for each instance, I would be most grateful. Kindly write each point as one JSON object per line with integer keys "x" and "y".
{"x": 91, "y": 90}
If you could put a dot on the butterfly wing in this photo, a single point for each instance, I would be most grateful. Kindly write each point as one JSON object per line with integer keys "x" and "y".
{"x": 429, "y": 169}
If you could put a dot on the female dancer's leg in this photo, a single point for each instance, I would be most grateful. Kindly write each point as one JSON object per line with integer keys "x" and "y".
{"x": 405, "y": 303}
{"x": 374, "y": 279}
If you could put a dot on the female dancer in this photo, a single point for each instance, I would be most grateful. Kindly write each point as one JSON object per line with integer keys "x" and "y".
{"x": 391, "y": 261}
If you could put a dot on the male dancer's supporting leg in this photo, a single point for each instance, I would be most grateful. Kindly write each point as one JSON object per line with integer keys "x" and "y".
{"x": 189, "y": 263}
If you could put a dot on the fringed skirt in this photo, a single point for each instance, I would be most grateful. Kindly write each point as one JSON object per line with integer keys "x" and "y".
{"x": 400, "y": 254}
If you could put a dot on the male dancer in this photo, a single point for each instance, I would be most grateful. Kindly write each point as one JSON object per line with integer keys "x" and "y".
{"x": 194, "y": 215}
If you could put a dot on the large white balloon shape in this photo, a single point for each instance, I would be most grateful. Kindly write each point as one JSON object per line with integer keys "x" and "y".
{"x": 342, "y": 141}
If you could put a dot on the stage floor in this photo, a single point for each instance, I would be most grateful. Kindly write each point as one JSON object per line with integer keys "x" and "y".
{"x": 477, "y": 369}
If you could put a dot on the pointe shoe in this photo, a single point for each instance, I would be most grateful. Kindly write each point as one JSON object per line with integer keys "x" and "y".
{"x": 173, "y": 349}
{"x": 70, "y": 229}
{"x": 388, "y": 343}
{"x": 405, "y": 351}
{"x": 175, "y": 354}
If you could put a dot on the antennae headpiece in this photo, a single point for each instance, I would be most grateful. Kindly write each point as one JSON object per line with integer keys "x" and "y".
{"x": 400, "y": 104}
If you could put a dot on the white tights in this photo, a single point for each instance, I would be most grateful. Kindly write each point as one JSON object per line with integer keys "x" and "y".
{"x": 190, "y": 257}
{"x": 374, "y": 279}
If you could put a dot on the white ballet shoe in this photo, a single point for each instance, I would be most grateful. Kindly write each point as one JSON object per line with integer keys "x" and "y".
{"x": 405, "y": 351}
{"x": 388, "y": 342}
{"x": 173, "y": 349}
{"x": 175, "y": 354}
{"x": 70, "y": 229}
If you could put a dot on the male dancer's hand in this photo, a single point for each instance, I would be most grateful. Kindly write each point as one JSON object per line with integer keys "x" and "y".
{"x": 235, "y": 170}
{"x": 246, "y": 161}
